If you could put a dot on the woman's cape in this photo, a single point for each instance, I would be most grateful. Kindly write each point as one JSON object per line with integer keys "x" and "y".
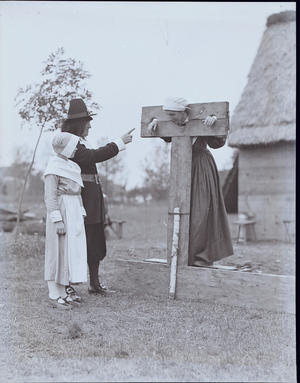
{"x": 64, "y": 168}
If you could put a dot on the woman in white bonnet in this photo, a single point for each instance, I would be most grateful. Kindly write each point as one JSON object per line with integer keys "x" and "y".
{"x": 210, "y": 238}
{"x": 65, "y": 253}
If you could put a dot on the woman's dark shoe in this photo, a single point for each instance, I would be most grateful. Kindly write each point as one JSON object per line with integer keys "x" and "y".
{"x": 202, "y": 263}
{"x": 70, "y": 291}
{"x": 61, "y": 303}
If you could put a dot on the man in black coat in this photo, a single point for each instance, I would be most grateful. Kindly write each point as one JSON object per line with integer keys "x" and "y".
{"x": 78, "y": 123}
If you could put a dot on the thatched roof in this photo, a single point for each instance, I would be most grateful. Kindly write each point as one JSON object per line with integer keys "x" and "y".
{"x": 266, "y": 113}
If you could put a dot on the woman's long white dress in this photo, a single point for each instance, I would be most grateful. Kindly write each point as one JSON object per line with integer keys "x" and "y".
{"x": 65, "y": 255}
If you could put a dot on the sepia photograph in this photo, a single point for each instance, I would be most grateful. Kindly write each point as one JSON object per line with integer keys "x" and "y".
{"x": 147, "y": 191}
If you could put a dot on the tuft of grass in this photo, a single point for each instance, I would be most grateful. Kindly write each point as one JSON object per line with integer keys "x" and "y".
{"x": 121, "y": 353}
{"x": 75, "y": 331}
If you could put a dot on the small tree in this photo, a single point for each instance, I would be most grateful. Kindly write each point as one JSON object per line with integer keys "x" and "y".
{"x": 45, "y": 105}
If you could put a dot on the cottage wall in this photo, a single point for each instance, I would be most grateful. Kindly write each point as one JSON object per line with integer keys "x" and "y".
{"x": 267, "y": 188}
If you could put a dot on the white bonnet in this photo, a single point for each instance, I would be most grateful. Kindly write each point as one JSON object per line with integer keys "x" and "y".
{"x": 176, "y": 104}
{"x": 65, "y": 143}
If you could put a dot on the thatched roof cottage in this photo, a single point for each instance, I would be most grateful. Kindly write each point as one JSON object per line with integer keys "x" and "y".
{"x": 263, "y": 128}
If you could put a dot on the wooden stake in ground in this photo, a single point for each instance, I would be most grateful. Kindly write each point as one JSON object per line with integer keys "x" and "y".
{"x": 181, "y": 160}
{"x": 174, "y": 254}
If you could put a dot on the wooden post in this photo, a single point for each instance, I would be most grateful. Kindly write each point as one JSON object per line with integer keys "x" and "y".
{"x": 181, "y": 160}
{"x": 174, "y": 254}
{"x": 180, "y": 195}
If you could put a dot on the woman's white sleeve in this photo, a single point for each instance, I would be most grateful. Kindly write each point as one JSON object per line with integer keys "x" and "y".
{"x": 51, "y": 183}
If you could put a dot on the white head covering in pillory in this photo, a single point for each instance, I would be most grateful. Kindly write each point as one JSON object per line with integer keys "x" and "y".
{"x": 176, "y": 104}
{"x": 65, "y": 143}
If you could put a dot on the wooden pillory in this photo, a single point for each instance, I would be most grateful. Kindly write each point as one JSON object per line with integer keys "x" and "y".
{"x": 184, "y": 281}
{"x": 181, "y": 160}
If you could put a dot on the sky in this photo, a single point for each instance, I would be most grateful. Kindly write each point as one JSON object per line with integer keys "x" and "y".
{"x": 138, "y": 54}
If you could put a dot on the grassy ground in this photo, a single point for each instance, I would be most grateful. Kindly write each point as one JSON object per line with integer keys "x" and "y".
{"x": 129, "y": 337}
{"x": 145, "y": 234}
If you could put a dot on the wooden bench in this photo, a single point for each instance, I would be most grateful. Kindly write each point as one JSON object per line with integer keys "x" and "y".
{"x": 242, "y": 227}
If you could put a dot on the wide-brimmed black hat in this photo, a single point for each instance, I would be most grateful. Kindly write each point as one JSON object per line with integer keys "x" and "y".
{"x": 78, "y": 109}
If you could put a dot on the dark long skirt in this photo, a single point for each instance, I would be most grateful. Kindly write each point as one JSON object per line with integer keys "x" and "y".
{"x": 96, "y": 243}
{"x": 210, "y": 238}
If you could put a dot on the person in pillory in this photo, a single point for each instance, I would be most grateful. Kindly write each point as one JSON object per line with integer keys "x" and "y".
{"x": 65, "y": 252}
{"x": 78, "y": 123}
{"x": 209, "y": 235}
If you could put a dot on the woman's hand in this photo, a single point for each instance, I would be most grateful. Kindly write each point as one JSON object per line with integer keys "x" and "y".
{"x": 152, "y": 126}
{"x": 210, "y": 120}
{"x": 60, "y": 227}
{"x": 127, "y": 137}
